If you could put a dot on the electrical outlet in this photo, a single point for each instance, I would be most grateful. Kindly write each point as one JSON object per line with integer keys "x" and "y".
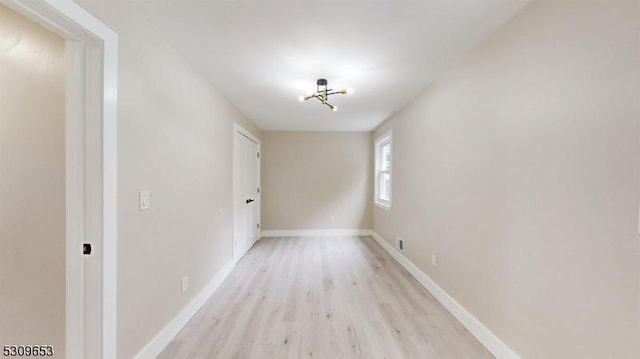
{"x": 400, "y": 243}
{"x": 145, "y": 200}
{"x": 184, "y": 284}
{"x": 434, "y": 260}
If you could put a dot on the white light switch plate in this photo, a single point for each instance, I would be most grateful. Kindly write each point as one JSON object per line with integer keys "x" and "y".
{"x": 144, "y": 200}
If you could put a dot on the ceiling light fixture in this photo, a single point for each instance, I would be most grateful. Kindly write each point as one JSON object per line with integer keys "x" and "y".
{"x": 323, "y": 91}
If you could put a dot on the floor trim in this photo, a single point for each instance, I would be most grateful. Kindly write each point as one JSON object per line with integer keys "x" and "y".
{"x": 490, "y": 341}
{"x": 166, "y": 335}
{"x": 315, "y": 232}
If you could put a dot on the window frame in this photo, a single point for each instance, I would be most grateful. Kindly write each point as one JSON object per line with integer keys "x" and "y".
{"x": 379, "y": 143}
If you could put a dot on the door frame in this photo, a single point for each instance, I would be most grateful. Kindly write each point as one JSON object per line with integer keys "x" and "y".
{"x": 91, "y": 171}
{"x": 243, "y": 131}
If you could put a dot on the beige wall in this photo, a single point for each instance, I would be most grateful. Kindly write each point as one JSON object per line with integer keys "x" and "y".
{"x": 32, "y": 184}
{"x": 307, "y": 177}
{"x": 519, "y": 168}
{"x": 175, "y": 139}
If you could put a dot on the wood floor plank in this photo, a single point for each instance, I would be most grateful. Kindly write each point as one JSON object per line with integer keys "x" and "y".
{"x": 322, "y": 297}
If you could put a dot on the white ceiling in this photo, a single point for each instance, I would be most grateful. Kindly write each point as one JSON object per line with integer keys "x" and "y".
{"x": 262, "y": 54}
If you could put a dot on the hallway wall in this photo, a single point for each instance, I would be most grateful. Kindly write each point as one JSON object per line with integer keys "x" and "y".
{"x": 175, "y": 139}
{"x": 519, "y": 168}
{"x": 310, "y": 177}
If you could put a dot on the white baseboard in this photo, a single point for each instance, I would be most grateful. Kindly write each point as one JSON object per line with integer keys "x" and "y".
{"x": 157, "y": 344}
{"x": 316, "y": 232}
{"x": 490, "y": 341}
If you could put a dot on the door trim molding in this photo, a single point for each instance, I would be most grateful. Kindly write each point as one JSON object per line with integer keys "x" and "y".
{"x": 245, "y": 132}
{"x": 92, "y": 65}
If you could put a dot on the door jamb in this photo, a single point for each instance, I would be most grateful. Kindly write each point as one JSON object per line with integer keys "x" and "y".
{"x": 91, "y": 80}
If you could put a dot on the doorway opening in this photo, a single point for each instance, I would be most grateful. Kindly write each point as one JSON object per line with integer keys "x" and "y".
{"x": 90, "y": 162}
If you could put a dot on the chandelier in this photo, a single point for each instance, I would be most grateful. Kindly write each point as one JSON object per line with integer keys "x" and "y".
{"x": 323, "y": 92}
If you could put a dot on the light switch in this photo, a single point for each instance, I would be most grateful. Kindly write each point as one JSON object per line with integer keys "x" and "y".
{"x": 144, "y": 200}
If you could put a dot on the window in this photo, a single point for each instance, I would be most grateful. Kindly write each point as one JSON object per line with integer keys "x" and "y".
{"x": 383, "y": 171}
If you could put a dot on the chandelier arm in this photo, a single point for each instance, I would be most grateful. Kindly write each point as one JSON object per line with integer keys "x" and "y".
{"x": 343, "y": 92}
{"x": 308, "y": 97}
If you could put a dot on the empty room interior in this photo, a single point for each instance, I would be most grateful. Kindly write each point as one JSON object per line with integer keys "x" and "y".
{"x": 303, "y": 179}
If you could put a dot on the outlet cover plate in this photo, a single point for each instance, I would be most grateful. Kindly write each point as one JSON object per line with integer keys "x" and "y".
{"x": 145, "y": 200}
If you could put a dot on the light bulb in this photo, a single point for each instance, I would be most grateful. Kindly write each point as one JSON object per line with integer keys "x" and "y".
{"x": 300, "y": 98}
{"x": 349, "y": 91}
{"x": 334, "y": 108}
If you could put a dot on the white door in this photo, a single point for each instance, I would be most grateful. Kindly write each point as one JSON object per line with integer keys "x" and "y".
{"x": 246, "y": 194}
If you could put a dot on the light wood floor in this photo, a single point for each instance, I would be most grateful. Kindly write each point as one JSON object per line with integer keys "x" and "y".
{"x": 322, "y": 297}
